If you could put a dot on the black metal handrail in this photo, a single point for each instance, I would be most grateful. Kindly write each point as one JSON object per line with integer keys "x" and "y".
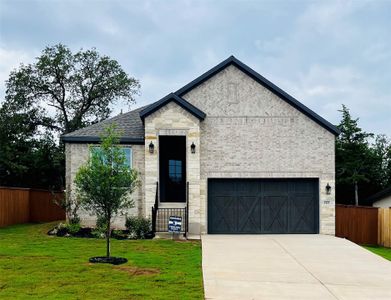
{"x": 155, "y": 208}
{"x": 187, "y": 209}
{"x": 160, "y": 216}
{"x": 163, "y": 215}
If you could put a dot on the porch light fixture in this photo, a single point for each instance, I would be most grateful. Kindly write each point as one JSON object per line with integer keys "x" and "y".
{"x": 328, "y": 189}
{"x": 151, "y": 147}
{"x": 192, "y": 148}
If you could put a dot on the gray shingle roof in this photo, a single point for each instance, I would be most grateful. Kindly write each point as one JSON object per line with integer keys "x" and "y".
{"x": 129, "y": 125}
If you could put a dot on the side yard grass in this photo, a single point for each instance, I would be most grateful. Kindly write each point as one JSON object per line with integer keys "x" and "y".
{"x": 35, "y": 265}
{"x": 384, "y": 252}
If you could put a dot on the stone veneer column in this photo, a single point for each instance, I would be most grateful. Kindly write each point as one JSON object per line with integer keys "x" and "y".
{"x": 173, "y": 120}
{"x": 326, "y": 206}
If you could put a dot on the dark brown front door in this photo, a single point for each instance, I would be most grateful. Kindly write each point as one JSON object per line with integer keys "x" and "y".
{"x": 172, "y": 168}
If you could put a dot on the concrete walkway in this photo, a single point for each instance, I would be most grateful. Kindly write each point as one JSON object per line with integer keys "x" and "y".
{"x": 291, "y": 267}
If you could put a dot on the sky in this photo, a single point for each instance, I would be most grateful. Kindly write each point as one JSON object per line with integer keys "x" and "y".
{"x": 323, "y": 53}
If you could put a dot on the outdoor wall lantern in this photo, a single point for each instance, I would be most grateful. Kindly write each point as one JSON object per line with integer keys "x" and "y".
{"x": 192, "y": 148}
{"x": 328, "y": 189}
{"x": 151, "y": 147}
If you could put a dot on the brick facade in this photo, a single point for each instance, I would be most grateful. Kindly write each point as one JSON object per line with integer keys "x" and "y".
{"x": 260, "y": 136}
{"x": 77, "y": 155}
{"x": 248, "y": 132}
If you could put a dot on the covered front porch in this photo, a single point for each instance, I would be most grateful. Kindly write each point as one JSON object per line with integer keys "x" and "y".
{"x": 172, "y": 164}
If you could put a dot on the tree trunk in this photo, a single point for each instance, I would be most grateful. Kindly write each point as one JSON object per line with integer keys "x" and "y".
{"x": 108, "y": 238}
{"x": 356, "y": 193}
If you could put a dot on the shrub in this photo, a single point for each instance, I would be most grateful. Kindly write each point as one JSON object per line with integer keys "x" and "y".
{"x": 60, "y": 230}
{"x": 73, "y": 228}
{"x": 74, "y": 220}
{"x": 138, "y": 226}
{"x": 100, "y": 227}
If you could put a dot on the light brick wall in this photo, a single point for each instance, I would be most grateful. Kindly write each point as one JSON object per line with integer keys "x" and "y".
{"x": 173, "y": 120}
{"x": 77, "y": 155}
{"x": 249, "y": 132}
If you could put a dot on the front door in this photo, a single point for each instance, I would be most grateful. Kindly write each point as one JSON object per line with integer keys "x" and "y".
{"x": 172, "y": 168}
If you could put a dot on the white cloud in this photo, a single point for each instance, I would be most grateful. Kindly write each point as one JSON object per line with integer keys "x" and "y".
{"x": 326, "y": 88}
{"x": 9, "y": 60}
{"x": 324, "y": 53}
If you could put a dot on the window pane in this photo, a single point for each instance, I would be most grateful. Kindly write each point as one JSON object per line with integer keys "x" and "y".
{"x": 128, "y": 156}
{"x": 175, "y": 170}
{"x": 127, "y": 153}
{"x": 97, "y": 151}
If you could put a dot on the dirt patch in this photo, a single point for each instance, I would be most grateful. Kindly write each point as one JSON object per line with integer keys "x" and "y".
{"x": 188, "y": 241}
{"x": 134, "y": 271}
{"x": 4, "y": 256}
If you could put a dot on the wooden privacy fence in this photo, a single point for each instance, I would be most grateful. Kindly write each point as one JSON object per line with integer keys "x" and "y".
{"x": 363, "y": 224}
{"x": 384, "y": 234}
{"x": 358, "y": 224}
{"x": 20, "y": 205}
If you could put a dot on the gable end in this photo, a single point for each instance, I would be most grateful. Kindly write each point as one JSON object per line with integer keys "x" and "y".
{"x": 264, "y": 82}
{"x": 178, "y": 100}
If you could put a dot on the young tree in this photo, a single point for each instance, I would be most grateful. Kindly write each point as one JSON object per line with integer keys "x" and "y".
{"x": 105, "y": 182}
{"x": 353, "y": 154}
{"x": 79, "y": 87}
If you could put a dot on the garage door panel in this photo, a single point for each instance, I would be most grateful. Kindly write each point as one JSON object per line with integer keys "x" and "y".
{"x": 249, "y": 212}
{"x": 219, "y": 189}
{"x": 271, "y": 187}
{"x": 263, "y": 206}
{"x": 224, "y": 214}
{"x": 275, "y": 214}
{"x": 302, "y": 219}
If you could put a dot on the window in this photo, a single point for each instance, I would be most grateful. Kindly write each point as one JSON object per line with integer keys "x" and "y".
{"x": 127, "y": 152}
{"x": 175, "y": 170}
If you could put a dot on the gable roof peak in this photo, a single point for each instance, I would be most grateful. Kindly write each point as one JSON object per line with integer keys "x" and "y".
{"x": 232, "y": 60}
{"x": 178, "y": 100}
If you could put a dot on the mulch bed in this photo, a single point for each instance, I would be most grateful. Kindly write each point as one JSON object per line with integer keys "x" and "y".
{"x": 88, "y": 232}
{"x": 108, "y": 260}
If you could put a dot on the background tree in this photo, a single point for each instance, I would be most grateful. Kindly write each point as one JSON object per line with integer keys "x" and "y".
{"x": 28, "y": 156}
{"x": 382, "y": 163}
{"x": 354, "y": 157}
{"x": 79, "y": 87}
{"x": 104, "y": 183}
{"x": 60, "y": 92}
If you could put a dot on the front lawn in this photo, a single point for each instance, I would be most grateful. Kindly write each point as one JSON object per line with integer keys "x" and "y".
{"x": 384, "y": 252}
{"x": 35, "y": 265}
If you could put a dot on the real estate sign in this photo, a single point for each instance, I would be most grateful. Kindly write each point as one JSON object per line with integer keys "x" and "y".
{"x": 175, "y": 224}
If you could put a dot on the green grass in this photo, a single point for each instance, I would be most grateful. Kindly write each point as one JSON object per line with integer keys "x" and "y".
{"x": 37, "y": 266}
{"x": 384, "y": 252}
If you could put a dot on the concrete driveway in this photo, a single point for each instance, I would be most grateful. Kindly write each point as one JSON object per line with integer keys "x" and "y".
{"x": 291, "y": 267}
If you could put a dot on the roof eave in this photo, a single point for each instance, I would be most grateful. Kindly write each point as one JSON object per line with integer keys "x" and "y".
{"x": 380, "y": 195}
{"x": 178, "y": 100}
{"x": 97, "y": 140}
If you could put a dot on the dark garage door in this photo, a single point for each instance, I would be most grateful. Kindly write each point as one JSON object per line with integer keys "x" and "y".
{"x": 263, "y": 206}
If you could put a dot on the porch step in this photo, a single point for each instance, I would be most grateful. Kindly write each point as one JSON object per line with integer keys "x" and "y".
{"x": 170, "y": 236}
